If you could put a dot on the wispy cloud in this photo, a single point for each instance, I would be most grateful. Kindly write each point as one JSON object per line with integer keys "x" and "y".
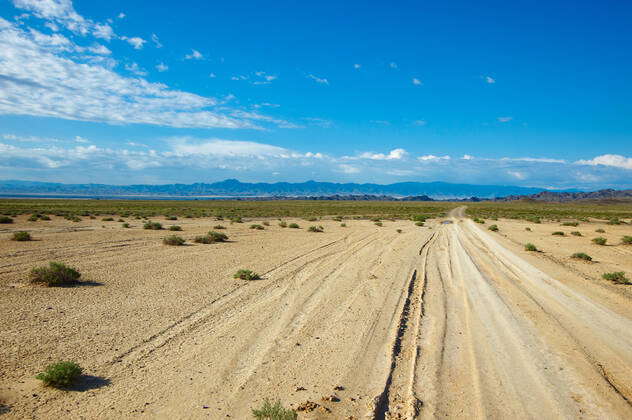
{"x": 162, "y": 67}
{"x": 416, "y": 81}
{"x": 156, "y": 41}
{"x": 490, "y": 80}
{"x": 616, "y": 161}
{"x": 194, "y": 55}
{"x": 395, "y": 154}
{"x": 357, "y": 66}
{"x": 433, "y": 158}
{"x": 135, "y": 68}
{"x": 393, "y": 65}
{"x": 134, "y": 41}
{"x": 420, "y": 123}
{"x": 504, "y": 119}
{"x": 317, "y": 79}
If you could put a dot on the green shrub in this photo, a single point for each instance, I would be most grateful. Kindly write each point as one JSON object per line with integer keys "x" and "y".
{"x": 337, "y": 218}
{"x": 246, "y": 275}
{"x": 419, "y": 223}
{"x": 5, "y": 220}
{"x": 534, "y": 219}
{"x": 219, "y": 227}
{"x": 315, "y": 229}
{"x": 581, "y": 256}
{"x": 600, "y": 231}
{"x": 530, "y": 247}
{"x": 294, "y": 226}
{"x": 21, "y": 236}
{"x": 528, "y": 229}
{"x": 206, "y": 239}
{"x": 236, "y": 220}
{"x": 171, "y": 218}
{"x": 311, "y": 219}
{"x": 576, "y": 233}
{"x": 265, "y": 223}
{"x": 343, "y": 225}
{"x": 217, "y": 236}
{"x": 558, "y": 233}
{"x": 614, "y": 221}
{"x": 282, "y": 224}
{"x": 477, "y": 220}
{"x": 45, "y": 217}
{"x": 56, "y": 274}
{"x": 600, "y": 240}
{"x": 152, "y": 226}
{"x": 173, "y": 240}
{"x": 399, "y": 231}
{"x": 33, "y": 218}
{"x": 574, "y": 224}
{"x": 108, "y": 219}
{"x": 175, "y": 228}
{"x": 626, "y": 240}
{"x": 125, "y": 225}
{"x": 258, "y": 227}
{"x": 418, "y": 218}
{"x": 493, "y": 228}
{"x": 269, "y": 411}
{"x": 60, "y": 374}
{"x": 120, "y": 220}
{"x": 617, "y": 277}
{"x": 378, "y": 224}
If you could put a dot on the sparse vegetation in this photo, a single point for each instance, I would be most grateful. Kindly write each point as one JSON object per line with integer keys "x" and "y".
{"x": 419, "y": 223}
{"x": 530, "y": 247}
{"x": 528, "y": 229}
{"x": 294, "y": 226}
{"x": 282, "y": 224}
{"x": 152, "y": 226}
{"x": 573, "y": 224}
{"x": 617, "y": 277}
{"x": 5, "y": 220}
{"x": 257, "y": 227}
{"x": 236, "y": 220}
{"x": 219, "y": 227}
{"x": 171, "y": 218}
{"x": 173, "y": 240}
{"x": 107, "y": 219}
{"x": 125, "y": 225}
{"x": 379, "y": 224}
{"x": 399, "y": 231}
{"x": 175, "y": 228}
{"x": 60, "y": 374}
{"x": 343, "y": 225}
{"x": 312, "y": 219}
{"x": 600, "y": 240}
{"x": 265, "y": 223}
{"x": 315, "y": 229}
{"x": 33, "y": 218}
{"x": 626, "y": 240}
{"x": 581, "y": 256}
{"x": 614, "y": 221}
{"x": 217, "y": 236}
{"x": 56, "y": 274}
{"x": 418, "y": 218}
{"x": 493, "y": 228}
{"x": 576, "y": 233}
{"x": 477, "y": 220}
{"x": 558, "y": 233}
{"x": 276, "y": 411}
{"x": 244, "y": 274}
{"x": 21, "y": 236}
{"x": 600, "y": 231}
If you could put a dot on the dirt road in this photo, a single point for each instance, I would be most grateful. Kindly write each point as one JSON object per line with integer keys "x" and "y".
{"x": 369, "y": 323}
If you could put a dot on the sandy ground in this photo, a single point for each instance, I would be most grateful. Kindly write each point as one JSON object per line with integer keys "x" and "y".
{"x": 448, "y": 320}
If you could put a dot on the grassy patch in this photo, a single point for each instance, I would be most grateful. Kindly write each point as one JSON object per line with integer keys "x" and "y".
{"x": 530, "y": 247}
{"x": 5, "y": 220}
{"x": 60, "y": 374}
{"x": 244, "y": 274}
{"x": 617, "y": 277}
{"x": 175, "y": 228}
{"x": 173, "y": 240}
{"x": 626, "y": 240}
{"x": 294, "y": 226}
{"x": 56, "y": 274}
{"x": 581, "y": 256}
{"x": 171, "y": 218}
{"x": 600, "y": 240}
{"x": 152, "y": 226}
{"x": 574, "y": 224}
{"x": 477, "y": 220}
{"x": 600, "y": 231}
{"x": 379, "y": 224}
{"x": 558, "y": 233}
{"x": 107, "y": 219}
{"x": 257, "y": 227}
{"x": 343, "y": 225}
{"x": 21, "y": 236}
{"x": 315, "y": 229}
{"x": 270, "y": 411}
{"x": 493, "y": 228}
{"x": 576, "y": 233}
{"x": 125, "y": 225}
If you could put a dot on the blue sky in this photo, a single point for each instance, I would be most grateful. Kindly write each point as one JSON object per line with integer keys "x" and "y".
{"x": 490, "y": 92}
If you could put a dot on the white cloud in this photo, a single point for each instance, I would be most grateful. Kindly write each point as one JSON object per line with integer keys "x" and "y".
{"x": 504, "y": 119}
{"x": 80, "y": 139}
{"x": 517, "y": 174}
{"x": 357, "y": 66}
{"x": 467, "y": 157}
{"x": 103, "y": 31}
{"x": 100, "y": 49}
{"x": 319, "y": 80}
{"x": 134, "y": 68}
{"x": 393, "y": 65}
{"x": 212, "y": 75}
{"x": 194, "y": 55}
{"x": 348, "y": 169}
{"x": 394, "y": 154}
{"x": 264, "y": 78}
{"x": 121, "y": 15}
{"x": 156, "y": 41}
{"x": 490, "y": 80}
{"x": 420, "y": 123}
{"x": 135, "y": 42}
{"x": 427, "y": 158}
{"x": 162, "y": 67}
{"x": 616, "y": 161}
{"x": 530, "y": 159}
{"x": 380, "y": 122}
{"x": 40, "y": 78}
{"x": 416, "y": 81}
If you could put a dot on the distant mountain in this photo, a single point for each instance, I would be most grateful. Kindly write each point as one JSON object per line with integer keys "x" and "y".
{"x": 573, "y": 196}
{"x": 234, "y": 188}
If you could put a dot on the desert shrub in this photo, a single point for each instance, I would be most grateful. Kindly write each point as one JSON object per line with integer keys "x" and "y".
{"x": 6, "y": 219}
{"x": 477, "y": 220}
{"x": 375, "y": 219}
{"x": 576, "y": 233}
{"x": 152, "y": 226}
{"x": 600, "y": 240}
{"x": 21, "y": 236}
{"x": 56, "y": 274}
{"x": 206, "y": 239}
{"x": 312, "y": 219}
{"x": 33, "y": 218}
{"x": 173, "y": 240}
{"x": 343, "y": 225}
{"x": 418, "y": 218}
{"x": 614, "y": 221}
{"x": 108, "y": 219}
{"x": 399, "y": 231}
{"x": 558, "y": 233}
{"x": 493, "y": 228}
{"x": 378, "y": 224}
{"x": 258, "y": 227}
{"x": 534, "y": 219}
{"x": 276, "y": 411}
{"x": 171, "y": 218}
{"x": 626, "y": 240}
{"x": 125, "y": 225}
{"x": 600, "y": 231}
{"x": 217, "y": 236}
{"x": 530, "y": 247}
{"x": 175, "y": 228}
{"x": 236, "y": 220}
{"x": 574, "y": 224}
{"x": 282, "y": 224}
{"x": 219, "y": 227}
{"x": 419, "y": 223}
{"x": 265, "y": 223}
{"x": 120, "y": 220}
{"x": 246, "y": 275}
{"x": 294, "y": 226}
{"x": 337, "y": 218}
{"x": 60, "y": 374}
{"x": 315, "y": 229}
{"x": 528, "y": 229}
{"x": 76, "y": 218}
{"x": 45, "y": 217}
{"x": 617, "y": 277}
{"x": 581, "y": 256}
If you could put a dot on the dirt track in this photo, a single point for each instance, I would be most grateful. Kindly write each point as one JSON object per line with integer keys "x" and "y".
{"x": 441, "y": 322}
